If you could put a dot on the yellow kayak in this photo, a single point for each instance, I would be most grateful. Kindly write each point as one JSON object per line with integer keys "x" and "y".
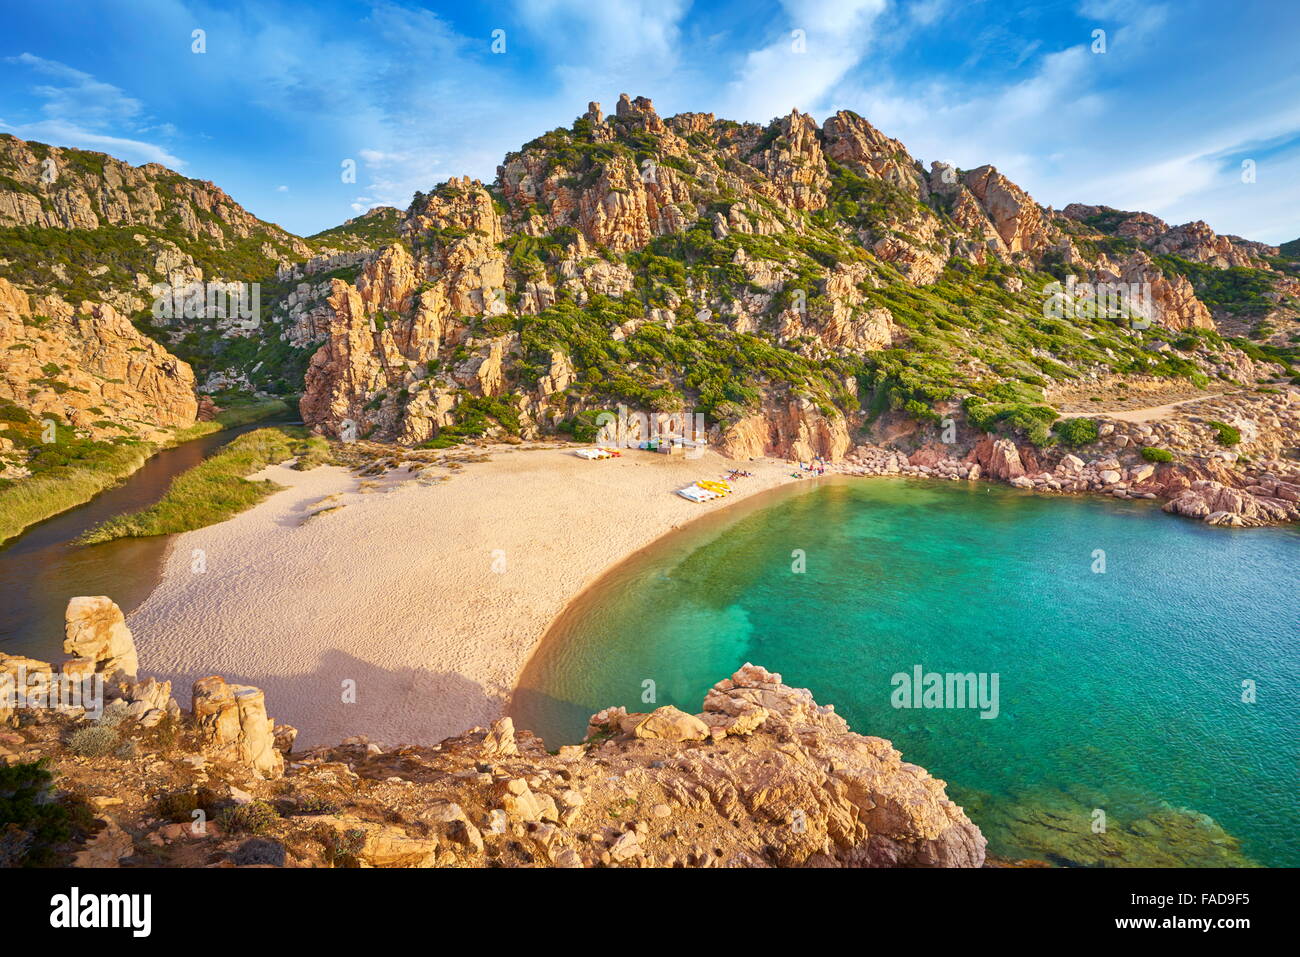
{"x": 721, "y": 487}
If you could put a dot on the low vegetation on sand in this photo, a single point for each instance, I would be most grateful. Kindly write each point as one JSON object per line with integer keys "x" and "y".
{"x": 73, "y": 470}
{"x": 217, "y": 488}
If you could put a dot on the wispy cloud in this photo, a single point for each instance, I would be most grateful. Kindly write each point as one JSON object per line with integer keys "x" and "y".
{"x": 84, "y": 112}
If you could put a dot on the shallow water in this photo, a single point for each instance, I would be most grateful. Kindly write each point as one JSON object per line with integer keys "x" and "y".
{"x": 1119, "y": 692}
{"x": 41, "y": 569}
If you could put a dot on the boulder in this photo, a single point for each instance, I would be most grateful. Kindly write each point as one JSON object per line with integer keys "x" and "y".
{"x": 997, "y": 458}
{"x": 233, "y": 725}
{"x": 670, "y": 724}
{"x": 95, "y": 628}
{"x": 500, "y": 739}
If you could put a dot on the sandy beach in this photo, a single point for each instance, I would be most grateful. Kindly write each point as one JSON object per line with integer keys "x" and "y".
{"x": 408, "y": 613}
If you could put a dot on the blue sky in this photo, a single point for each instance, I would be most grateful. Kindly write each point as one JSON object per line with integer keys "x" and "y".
{"x": 286, "y": 91}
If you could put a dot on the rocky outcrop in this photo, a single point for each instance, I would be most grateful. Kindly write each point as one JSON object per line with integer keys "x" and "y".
{"x": 1173, "y": 301}
{"x": 1015, "y": 216}
{"x": 1176, "y": 457}
{"x": 1270, "y": 502}
{"x": 91, "y": 368}
{"x": 406, "y": 312}
{"x": 853, "y": 142}
{"x": 232, "y": 725}
{"x": 1199, "y": 243}
{"x": 793, "y": 164}
{"x": 997, "y": 458}
{"x": 791, "y": 429}
{"x": 763, "y": 776}
{"x": 98, "y": 639}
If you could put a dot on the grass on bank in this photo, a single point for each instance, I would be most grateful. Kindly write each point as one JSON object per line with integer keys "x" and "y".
{"x": 101, "y": 465}
{"x": 217, "y": 488}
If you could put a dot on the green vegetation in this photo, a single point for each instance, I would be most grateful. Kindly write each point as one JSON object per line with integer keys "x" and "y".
{"x": 32, "y": 825}
{"x": 94, "y": 741}
{"x": 964, "y": 338}
{"x": 1236, "y": 290}
{"x": 1225, "y": 433}
{"x": 1152, "y": 454}
{"x": 473, "y": 417}
{"x": 38, "y": 256}
{"x": 1077, "y": 431}
{"x": 179, "y": 806}
{"x": 72, "y": 469}
{"x": 582, "y": 427}
{"x": 213, "y": 490}
{"x": 372, "y": 230}
{"x": 863, "y": 203}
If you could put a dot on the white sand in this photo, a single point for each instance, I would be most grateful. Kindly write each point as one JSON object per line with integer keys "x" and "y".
{"x": 397, "y": 591}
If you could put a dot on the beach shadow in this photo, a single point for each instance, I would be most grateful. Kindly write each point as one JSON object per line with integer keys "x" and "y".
{"x": 341, "y": 696}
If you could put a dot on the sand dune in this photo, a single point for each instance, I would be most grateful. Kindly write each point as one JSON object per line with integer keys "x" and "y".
{"x": 419, "y": 601}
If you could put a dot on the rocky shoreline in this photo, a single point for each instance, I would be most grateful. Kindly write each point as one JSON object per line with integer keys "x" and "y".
{"x": 763, "y": 776}
{"x": 1218, "y": 485}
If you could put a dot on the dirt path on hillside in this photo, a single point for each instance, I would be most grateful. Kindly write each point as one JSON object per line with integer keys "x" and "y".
{"x": 1149, "y": 413}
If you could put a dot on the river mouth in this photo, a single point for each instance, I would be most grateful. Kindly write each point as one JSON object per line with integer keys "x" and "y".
{"x": 1121, "y": 735}
{"x": 42, "y": 568}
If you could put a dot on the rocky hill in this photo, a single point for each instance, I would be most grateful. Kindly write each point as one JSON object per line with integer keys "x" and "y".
{"x": 90, "y": 226}
{"x": 763, "y": 776}
{"x": 792, "y": 282}
{"x": 808, "y": 288}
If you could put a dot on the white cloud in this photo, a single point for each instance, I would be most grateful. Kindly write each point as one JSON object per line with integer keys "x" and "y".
{"x": 80, "y": 97}
{"x": 85, "y": 113}
{"x": 824, "y": 40}
{"x": 58, "y": 133}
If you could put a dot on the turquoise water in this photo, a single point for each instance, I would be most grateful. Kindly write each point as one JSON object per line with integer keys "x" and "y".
{"x": 1119, "y": 692}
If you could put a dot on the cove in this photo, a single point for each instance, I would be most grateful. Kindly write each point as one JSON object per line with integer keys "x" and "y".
{"x": 1122, "y": 737}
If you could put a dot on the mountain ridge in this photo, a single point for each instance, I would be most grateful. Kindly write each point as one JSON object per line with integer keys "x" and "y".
{"x": 802, "y": 286}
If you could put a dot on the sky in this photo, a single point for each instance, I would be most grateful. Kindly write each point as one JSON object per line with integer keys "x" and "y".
{"x": 1189, "y": 109}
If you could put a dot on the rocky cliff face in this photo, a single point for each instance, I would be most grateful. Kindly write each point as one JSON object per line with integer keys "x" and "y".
{"x": 91, "y": 368}
{"x": 1193, "y": 241}
{"x": 763, "y": 776}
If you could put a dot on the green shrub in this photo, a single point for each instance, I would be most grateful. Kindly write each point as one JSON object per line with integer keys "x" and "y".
{"x": 31, "y": 825}
{"x": 315, "y": 804}
{"x": 1077, "y": 431}
{"x": 1227, "y": 434}
{"x": 1157, "y": 455}
{"x": 215, "y": 489}
{"x": 342, "y": 848}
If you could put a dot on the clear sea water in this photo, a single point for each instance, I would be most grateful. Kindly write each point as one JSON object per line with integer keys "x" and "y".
{"x": 1122, "y": 737}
